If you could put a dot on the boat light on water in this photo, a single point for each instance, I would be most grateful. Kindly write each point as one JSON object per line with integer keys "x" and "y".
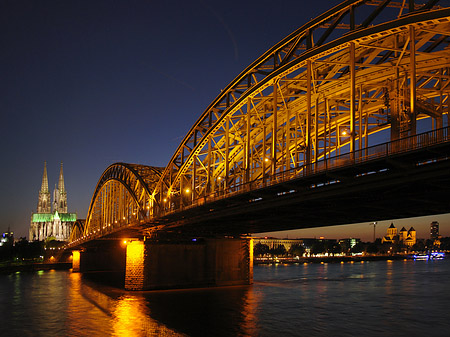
{"x": 437, "y": 255}
{"x": 433, "y": 255}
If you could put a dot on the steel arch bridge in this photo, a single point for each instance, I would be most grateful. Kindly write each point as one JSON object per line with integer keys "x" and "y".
{"x": 360, "y": 74}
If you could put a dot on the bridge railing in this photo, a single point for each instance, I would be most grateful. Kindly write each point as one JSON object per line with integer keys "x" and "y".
{"x": 392, "y": 148}
{"x": 364, "y": 155}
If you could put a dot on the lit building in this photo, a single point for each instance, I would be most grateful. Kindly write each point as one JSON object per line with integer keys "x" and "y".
{"x": 391, "y": 235}
{"x": 434, "y": 230}
{"x": 349, "y": 243}
{"x": 405, "y": 237}
{"x": 274, "y": 242}
{"x": 48, "y": 223}
{"x": 7, "y": 239}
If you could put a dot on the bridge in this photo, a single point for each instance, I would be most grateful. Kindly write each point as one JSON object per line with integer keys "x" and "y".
{"x": 343, "y": 121}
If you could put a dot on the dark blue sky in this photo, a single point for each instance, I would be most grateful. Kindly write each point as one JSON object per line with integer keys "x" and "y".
{"x": 90, "y": 83}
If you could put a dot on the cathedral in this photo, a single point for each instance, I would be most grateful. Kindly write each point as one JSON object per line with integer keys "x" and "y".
{"x": 407, "y": 238}
{"x": 52, "y": 219}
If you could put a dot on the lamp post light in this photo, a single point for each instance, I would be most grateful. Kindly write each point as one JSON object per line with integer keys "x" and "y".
{"x": 374, "y": 224}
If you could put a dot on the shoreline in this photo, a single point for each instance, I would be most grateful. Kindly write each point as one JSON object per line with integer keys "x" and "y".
{"x": 330, "y": 259}
{"x": 31, "y": 267}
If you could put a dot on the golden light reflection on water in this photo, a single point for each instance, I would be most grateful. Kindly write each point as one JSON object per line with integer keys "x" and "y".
{"x": 102, "y": 310}
{"x": 286, "y": 300}
{"x": 131, "y": 317}
{"x": 250, "y": 305}
{"x": 115, "y": 314}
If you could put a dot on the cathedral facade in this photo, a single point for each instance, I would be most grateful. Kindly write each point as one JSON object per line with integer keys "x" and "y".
{"x": 407, "y": 238}
{"x": 52, "y": 220}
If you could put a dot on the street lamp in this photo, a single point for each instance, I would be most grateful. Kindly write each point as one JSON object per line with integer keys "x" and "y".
{"x": 374, "y": 224}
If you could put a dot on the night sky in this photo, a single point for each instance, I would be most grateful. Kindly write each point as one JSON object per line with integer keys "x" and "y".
{"x": 90, "y": 83}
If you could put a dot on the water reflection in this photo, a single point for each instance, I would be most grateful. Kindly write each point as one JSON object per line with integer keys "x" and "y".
{"x": 296, "y": 300}
{"x": 131, "y": 317}
{"x": 205, "y": 310}
{"x": 195, "y": 312}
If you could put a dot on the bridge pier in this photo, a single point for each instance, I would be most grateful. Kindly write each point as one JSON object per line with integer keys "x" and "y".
{"x": 202, "y": 263}
{"x": 76, "y": 261}
{"x": 147, "y": 265}
{"x": 107, "y": 257}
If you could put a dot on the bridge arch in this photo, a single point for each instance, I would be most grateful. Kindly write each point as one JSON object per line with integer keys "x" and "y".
{"x": 123, "y": 196}
{"x": 361, "y": 74}
{"x": 77, "y": 230}
{"x": 317, "y": 94}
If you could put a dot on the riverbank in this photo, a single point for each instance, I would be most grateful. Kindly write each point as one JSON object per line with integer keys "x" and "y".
{"x": 31, "y": 267}
{"x": 329, "y": 259}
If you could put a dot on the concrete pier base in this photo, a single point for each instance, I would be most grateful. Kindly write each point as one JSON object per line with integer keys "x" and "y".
{"x": 76, "y": 261}
{"x": 107, "y": 257}
{"x": 203, "y": 263}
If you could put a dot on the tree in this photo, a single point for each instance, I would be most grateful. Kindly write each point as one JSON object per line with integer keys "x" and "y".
{"x": 445, "y": 243}
{"x": 318, "y": 247}
{"x": 260, "y": 249}
{"x": 277, "y": 251}
{"x": 333, "y": 247}
{"x": 297, "y": 250}
{"x": 372, "y": 248}
{"x": 358, "y": 248}
{"x": 419, "y": 246}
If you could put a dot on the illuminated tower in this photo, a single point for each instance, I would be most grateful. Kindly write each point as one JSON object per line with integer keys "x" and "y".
{"x": 60, "y": 194}
{"x": 44, "y": 203}
{"x": 392, "y": 235}
{"x": 412, "y": 236}
{"x": 47, "y": 223}
{"x": 392, "y": 231}
{"x": 403, "y": 234}
{"x": 434, "y": 230}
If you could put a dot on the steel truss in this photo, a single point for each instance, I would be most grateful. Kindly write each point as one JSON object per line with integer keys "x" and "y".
{"x": 328, "y": 88}
{"x": 123, "y": 196}
{"x": 77, "y": 230}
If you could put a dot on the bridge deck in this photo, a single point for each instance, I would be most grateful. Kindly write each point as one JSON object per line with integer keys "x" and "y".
{"x": 404, "y": 184}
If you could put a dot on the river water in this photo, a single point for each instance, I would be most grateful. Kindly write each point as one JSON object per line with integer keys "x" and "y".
{"x": 379, "y": 298}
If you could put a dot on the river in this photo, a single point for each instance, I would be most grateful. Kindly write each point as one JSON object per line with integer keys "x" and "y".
{"x": 377, "y": 298}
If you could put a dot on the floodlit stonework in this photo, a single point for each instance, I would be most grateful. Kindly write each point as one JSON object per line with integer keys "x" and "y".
{"x": 52, "y": 223}
{"x": 407, "y": 238}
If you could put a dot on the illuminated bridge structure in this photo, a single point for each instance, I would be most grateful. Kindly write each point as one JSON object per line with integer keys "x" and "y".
{"x": 343, "y": 121}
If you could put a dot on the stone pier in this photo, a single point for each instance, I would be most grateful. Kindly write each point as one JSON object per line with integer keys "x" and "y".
{"x": 203, "y": 263}
{"x": 151, "y": 265}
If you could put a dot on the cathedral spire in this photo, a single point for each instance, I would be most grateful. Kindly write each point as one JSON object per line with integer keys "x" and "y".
{"x": 44, "y": 186}
{"x": 60, "y": 194}
{"x": 44, "y": 203}
{"x": 61, "y": 180}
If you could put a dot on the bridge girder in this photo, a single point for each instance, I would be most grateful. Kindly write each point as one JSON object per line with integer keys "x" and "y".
{"x": 340, "y": 83}
{"x": 123, "y": 197}
{"x": 77, "y": 230}
{"x": 322, "y": 101}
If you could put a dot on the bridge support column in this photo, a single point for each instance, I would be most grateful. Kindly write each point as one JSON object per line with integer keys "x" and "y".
{"x": 135, "y": 262}
{"x": 197, "y": 263}
{"x": 108, "y": 257}
{"x": 76, "y": 261}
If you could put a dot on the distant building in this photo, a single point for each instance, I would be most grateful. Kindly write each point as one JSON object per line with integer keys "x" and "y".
{"x": 349, "y": 243}
{"x": 7, "y": 239}
{"x": 274, "y": 243}
{"x": 434, "y": 230}
{"x": 407, "y": 238}
{"x": 47, "y": 223}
